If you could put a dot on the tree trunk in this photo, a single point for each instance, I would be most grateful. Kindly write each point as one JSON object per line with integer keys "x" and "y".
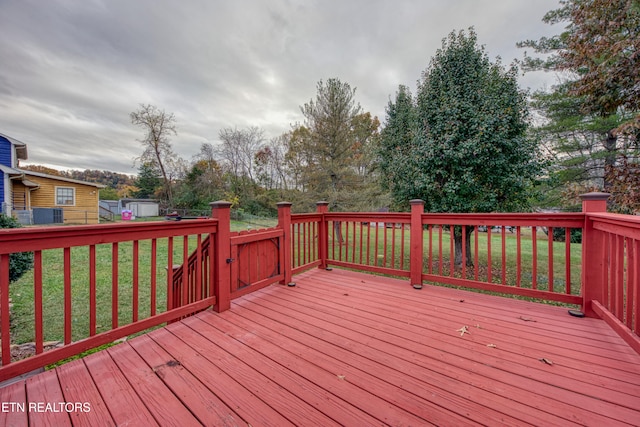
{"x": 457, "y": 236}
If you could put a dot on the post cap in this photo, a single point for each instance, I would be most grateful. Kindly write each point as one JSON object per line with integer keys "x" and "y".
{"x": 220, "y": 204}
{"x": 322, "y": 203}
{"x": 595, "y": 195}
{"x": 416, "y": 202}
{"x": 284, "y": 204}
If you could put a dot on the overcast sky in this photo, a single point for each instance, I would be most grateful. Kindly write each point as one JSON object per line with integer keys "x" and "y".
{"x": 71, "y": 71}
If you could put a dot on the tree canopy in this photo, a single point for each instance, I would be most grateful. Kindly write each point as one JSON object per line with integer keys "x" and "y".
{"x": 592, "y": 116}
{"x": 600, "y": 48}
{"x": 467, "y": 149}
{"x": 334, "y": 148}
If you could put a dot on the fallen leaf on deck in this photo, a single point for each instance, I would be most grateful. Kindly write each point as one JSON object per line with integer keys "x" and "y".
{"x": 527, "y": 319}
{"x": 547, "y": 361}
{"x": 346, "y": 295}
{"x": 461, "y": 300}
{"x": 464, "y": 330}
{"x": 341, "y": 377}
{"x": 492, "y": 346}
{"x": 478, "y": 326}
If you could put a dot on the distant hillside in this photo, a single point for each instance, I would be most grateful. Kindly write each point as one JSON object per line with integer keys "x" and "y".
{"x": 110, "y": 179}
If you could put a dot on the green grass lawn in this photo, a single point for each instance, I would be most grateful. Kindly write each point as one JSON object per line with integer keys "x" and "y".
{"x": 374, "y": 254}
{"x": 22, "y": 293}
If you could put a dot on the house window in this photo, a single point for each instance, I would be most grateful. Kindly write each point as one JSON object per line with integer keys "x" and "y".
{"x": 65, "y": 196}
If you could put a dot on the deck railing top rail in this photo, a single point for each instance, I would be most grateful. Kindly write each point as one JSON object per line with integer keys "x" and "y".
{"x": 31, "y": 239}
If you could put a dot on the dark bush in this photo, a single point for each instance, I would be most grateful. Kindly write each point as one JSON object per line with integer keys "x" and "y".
{"x": 19, "y": 262}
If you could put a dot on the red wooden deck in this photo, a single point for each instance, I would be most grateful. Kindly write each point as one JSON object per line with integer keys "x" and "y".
{"x": 345, "y": 348}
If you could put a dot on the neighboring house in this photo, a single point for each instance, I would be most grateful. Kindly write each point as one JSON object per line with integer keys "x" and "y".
{"x": 38, "y": 198}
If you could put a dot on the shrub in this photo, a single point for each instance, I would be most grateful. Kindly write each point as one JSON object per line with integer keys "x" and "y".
{"x": 19, "y": 262}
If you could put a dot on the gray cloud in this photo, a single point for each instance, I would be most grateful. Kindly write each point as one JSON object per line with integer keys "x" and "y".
{"x": 72, "y": 71}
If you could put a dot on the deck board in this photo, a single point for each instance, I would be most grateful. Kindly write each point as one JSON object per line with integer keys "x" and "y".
{"x": 43, "y": 390}
{"x": 78, "y": 388}
{"x": 14, "y": 397}
{"x": 122, "y": 401}
{"x": 203, "y": 404}
{"x": 224, "y": 384}
{"x": 161, "y": 402}
{"x": 346, "y": 348}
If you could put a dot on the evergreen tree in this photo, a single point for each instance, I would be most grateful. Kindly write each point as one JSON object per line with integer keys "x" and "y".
{"x": 148, "y": 181}
{"x": 470, "y": 151}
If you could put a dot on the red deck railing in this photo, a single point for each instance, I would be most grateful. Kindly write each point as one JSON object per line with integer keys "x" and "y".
{"x": 530, "y": 255}
{"x": 136, "y": 255}
{"x": 507, "y": 253}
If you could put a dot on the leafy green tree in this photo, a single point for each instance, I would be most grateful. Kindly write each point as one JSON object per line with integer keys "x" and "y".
{"x": 470, "y": 151}
{"x": 19, "y": 262}
{"x": 148, "y": 181}
{"x": 108, "y": 193}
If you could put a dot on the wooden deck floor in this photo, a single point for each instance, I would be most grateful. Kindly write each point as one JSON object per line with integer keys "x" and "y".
{"x": 344, "y": 348}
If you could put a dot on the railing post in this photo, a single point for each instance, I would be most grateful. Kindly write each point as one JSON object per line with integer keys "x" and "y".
{"x": 284, "y": 223}
{"x": 593, "y": 253}
{"x": 416, "y": 242}
{"x": 323, "y": 234}
{"x": 221, "y": 210}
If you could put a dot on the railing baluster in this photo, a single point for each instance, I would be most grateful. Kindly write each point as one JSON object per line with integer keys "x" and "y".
{"x": 185, "y": 271}
{"x": 37, "y": 300}
{"x": 375, "y": 254}
{"x": 635, "y": 302}
{"x": 440, "y": 250}
{"x": 489, "y": 264}
{"x": 67, "y": 294}
{"x": 402, "y": 248}
{"x": 630, "y": 279}
{"x": 299, "y": 249}
{"x": 452, "y": 254}
{"x": 464, "y": 251}
{"x": 430, "y": 248}
{"x": 384, "y": 257}
{"x": 534, "y": 257}
{"x": 4, "y": 309}
{"x": 613, "y": 268}
{"x": 353, "y": 244}
{"x": 393, "y": 246}
{"x": 475, "y": 253}
{"x": 136, "y": 254}
{"x": 92, "y": 291}
{"x": 518, "y": 256}
{"x": 504, "y": 255}
{"x": 369, "y": 243}
{"x": 199, "y": 268}
{"x": 550, "y": 256}
{"x": 153, "y": 279}
{"x": 619, "y": 282}
{"x": 567, "y": 257}
{"x": 170, "y": 273}
{"x": 361, "y": 231}
{"x": 606, "y": 270}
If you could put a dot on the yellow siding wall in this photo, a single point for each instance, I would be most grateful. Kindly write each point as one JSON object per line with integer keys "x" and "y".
{"x": 85, "y": 210}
